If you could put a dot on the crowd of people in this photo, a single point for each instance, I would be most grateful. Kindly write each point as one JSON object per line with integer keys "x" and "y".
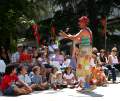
{"x": 30, "y": 69}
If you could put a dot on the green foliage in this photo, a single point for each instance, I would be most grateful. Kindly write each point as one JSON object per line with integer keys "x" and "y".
{"x": 10, "y": 10}
{"x": 16, "y": 17}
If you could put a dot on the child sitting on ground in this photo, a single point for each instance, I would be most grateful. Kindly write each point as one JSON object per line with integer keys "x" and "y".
{"x": 37, "y": 79}
{"x": 45, "y": 76}
{"x": 69, "y": 76}
{"x": 53, "y": 78}
{"x": 60, "y": 82}
{"x": 56, "y": 79}
{"x": 23, "y": 76}
{"x": 8, "y": 84}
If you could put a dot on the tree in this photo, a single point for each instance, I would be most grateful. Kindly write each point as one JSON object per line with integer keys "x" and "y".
{"x": 11, "y": 12}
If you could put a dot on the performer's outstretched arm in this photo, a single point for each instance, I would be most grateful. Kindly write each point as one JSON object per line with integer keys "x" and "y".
{"x": 69, "y": 36}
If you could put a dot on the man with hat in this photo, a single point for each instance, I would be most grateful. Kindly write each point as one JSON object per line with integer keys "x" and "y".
{"x": 15, "y": 56}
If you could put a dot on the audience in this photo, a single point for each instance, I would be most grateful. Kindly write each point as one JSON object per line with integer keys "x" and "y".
{"x": 48, "y": 67}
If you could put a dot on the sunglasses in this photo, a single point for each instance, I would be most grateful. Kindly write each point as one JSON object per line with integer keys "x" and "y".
{"x": 114, "y": 50}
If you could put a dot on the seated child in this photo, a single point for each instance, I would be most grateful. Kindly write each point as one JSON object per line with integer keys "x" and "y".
{"x": 37, "y": 79}
{"x": 56, "y": 79}
{"x": 69, "y": 76}
{"x": 8, "y": 84}
{"x": 44, "y": 74}
{"x": 23, "y": 76}
{"x": 53, "y": 78}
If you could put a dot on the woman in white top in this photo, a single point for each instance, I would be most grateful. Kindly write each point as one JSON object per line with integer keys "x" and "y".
{"x": 113, "y": 59}
{"x": 113, "y": 63}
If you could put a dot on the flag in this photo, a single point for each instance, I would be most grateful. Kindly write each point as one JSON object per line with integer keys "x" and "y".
{"x": 104, "y": 25}
{"x": 36, "y": 33}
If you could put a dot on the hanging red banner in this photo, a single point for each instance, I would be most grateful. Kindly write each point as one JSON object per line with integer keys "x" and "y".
{"x": 36, "y": 33}
{"x": 104, "y": 25}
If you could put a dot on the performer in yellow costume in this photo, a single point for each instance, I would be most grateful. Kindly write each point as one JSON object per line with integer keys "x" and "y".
{"x": 84, "y": 40}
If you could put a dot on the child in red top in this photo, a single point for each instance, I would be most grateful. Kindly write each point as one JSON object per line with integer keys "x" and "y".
{"x": 8, "y": 84}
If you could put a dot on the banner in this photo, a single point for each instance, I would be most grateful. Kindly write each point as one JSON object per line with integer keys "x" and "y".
{"x": 104, "y": 25}
{"x": 35, "y": 28}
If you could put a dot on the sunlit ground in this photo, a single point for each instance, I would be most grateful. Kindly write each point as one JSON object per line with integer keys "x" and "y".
{"x": 112, "y": 91}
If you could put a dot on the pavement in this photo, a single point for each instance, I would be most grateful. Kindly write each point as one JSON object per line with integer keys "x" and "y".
{"x": 111, "y": 92}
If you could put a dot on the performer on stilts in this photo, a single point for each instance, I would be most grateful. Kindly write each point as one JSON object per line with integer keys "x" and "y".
{"x": 84, "y": 41}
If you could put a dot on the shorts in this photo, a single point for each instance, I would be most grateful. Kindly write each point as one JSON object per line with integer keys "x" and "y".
{"x": 9, "y": 91}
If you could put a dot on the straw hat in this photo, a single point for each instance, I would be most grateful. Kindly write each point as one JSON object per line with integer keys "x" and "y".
{"x": 114, "y": 49}
{"x": 20, "y": 45}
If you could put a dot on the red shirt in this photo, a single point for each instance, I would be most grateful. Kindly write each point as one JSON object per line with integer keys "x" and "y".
{"x": 7, "y": 80}
{"x": 25, "y": 57}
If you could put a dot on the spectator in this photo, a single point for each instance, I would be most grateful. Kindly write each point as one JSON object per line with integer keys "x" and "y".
{"x": 66, "y": 63}
{"x": 103, "y": 61}
{"x": 113, "y": 63}
{"x": 37, "y": 79}
{"x": 23, "y": 76}
{"x": 8, "y": 84}
{"x": 2, "y": 68}
{"x": 4, "y": 55}
{"x": 53, "y": 78}
{"x": 69, "y": 76}
{"x": 44, "y": 74}
{"x": 25, "y": 59}
{"x": 93, "y": 60}
{"x": 59, "y": 57}
{"x": 16, "y": 56}
{"x": 52, "y": 46}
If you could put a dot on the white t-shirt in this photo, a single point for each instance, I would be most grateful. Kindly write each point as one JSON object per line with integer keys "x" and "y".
{"x": 52, "y": 47}
{"x": 68, "y": 76}
{"x": 25, "y": 79}
{"x": 66, "y": 63}
{"x": 114, "y": 59}
{"x": 15, "y": 57}
{"x": 2, "y": 66}
{"x": 92, "y": 63}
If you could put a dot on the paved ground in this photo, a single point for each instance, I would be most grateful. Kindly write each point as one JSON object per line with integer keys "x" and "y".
{"x": 101, "y": 93}
{"x": 111, "y": 92}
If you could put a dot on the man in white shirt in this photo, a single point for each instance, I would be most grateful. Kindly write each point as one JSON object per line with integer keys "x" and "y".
{"x": 2, "y": 68}
{"x": 15, "y": 56}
